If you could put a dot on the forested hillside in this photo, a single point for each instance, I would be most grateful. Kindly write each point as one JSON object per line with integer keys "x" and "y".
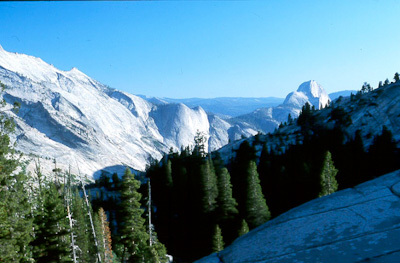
{"x": 204, "y": 201}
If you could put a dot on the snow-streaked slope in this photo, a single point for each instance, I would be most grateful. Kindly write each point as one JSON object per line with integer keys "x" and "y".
{"x": 361, "y": 224}
{"x": 70, "y": 117}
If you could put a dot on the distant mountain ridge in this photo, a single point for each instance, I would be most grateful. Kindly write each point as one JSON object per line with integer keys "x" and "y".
{"x": 224, "y": 107}
{"x": 268, "y": 119}
{"x": 71, "y": 118}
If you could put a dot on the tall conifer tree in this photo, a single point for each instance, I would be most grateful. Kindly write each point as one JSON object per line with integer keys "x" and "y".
{"x": 132, "y": 228}
{"x": 328, "y": 181}
{"x": 82, "y": 229}
{"x": 217, "y": 241}
{"x": 227, "y": 205}
{"x": 257, "y": 211}
{"x": 209, "y": 187}
{"x": 51, "y": 243}
{"x": 244, "y": 228}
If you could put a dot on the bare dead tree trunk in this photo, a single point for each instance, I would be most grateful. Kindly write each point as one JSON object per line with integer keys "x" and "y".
{"x": 72, "y": 233}
{"x": 149, "y": 208}
{"x": 91, "y": 220}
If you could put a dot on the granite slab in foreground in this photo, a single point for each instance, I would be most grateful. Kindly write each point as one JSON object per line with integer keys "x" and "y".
{"x": 360, "y": 224}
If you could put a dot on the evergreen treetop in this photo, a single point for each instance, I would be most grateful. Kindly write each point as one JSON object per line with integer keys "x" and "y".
{"x": 328, "y": 181}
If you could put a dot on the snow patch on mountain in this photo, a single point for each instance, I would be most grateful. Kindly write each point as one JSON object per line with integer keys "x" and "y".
{"x": 68, "y": 116}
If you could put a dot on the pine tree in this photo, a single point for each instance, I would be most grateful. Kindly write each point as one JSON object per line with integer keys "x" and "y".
{"x": 208, "y": 186}
{"x": 51, "y": 243}
{"x": 168, "y": 175}
{"x": 396, "y": 77}
{"x": 244, "y": 228}
{"x": 15, "y": 208}
{"x": 290, "y": 119}
{"x": 82, "y": 229}
{"x": 244, "y": 155}
{"x": 227, "y": 205}
{"x": 99, "y": 236}
{"x": 217, "y": 240}
{"x": 132, "y": 228}
{"x": 200, "y": 144}
{"x": 328, "y": 181}
{"x": 257, "y": 211}
{"x": 383, "y": 157}
{"x": 15, "y": 220}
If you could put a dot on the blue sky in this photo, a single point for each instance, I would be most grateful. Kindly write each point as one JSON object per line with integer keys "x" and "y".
{"x": 184, "y": 49}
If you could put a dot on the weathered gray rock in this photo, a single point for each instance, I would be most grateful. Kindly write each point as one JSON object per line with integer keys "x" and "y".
{"x": 361, "y": 224}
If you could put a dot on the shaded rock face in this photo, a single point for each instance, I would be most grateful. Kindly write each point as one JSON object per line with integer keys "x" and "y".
{"x": 361, "y": 224}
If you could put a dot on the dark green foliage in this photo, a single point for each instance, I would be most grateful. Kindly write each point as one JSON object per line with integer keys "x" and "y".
{"x": 341, "y": 117}
{"x": 244, "y": 155}
{"x": 99, "y": 235}
{"x": 383, "y": 152}
{"x": 226, "y": 212}
{"x": 51, "y": 243}
{"x": 328, "y": 181}
{"x": 82, "y": 230}
{"x": 290, "y": 119}
{"x": 116, "y": 182}
{"x": 227, "y": 205}
{"x": 256, "y": 209}
{"x": 15, "y": 208}
{"x": 387, "y": 82}
{"x": 396, "y": 77}
{"x": 209, "y": 187}
{"x": 244, "y": 228}
{"x": 351, "y": 160}
{"x": 104, "y": 180}
{"x": 306, "y": 119}
{"x": 366, "y": 87}
{"x": 289, "y": 175}
{"x": 133, "y": 232}
{"x": 217, "y": 241}
{"x": 15, "y": 220}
